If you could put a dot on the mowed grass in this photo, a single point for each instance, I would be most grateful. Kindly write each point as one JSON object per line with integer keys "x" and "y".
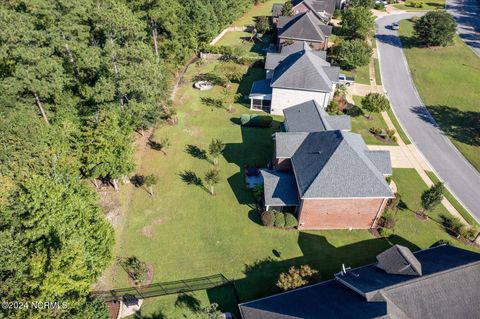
{"x": 398, "y": 127}
{"x": 378, "y": 75}
{"x": 360, "y": 74}
{"x": 362, "y": 125}
{"x": 427, "y": 5}
{"x": 262, "y": 9}
{"x": 422, "y": 233}
{"x": 455, "y": 203}
{"x": 448, "y": 81}
{"x": 185, "y": 232}
{"x": 241, "y": 42}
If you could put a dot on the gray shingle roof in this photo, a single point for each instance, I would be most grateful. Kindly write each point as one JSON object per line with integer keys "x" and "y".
{"x": 303, "y": 71}
{"x": 381, "y": 159}
{"x": 280, "y": 188}
{"x": 399, "y": 260}
{"x": 325, "y": 162}
{"x": 311, "y": 117}
{"x": 303, "y": 26}
{"x": 447, "y": 289}
{"x": 273, "y": 59}
{"x": 286, "y": 144}
{"x": 318, "y": 5}
{"x": 260, "y": 88}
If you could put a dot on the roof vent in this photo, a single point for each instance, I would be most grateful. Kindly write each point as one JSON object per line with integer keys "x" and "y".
{"x": 399, "y": 260}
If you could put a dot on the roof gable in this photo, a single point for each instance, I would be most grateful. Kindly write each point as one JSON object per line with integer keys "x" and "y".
{"x": 304, "y": 26}
{"x": 303, "y": 70}
{"x": 399, "y": 260}
{"x": 327, "y": 161}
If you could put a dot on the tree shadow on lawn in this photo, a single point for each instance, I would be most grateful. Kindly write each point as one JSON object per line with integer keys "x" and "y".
{"x": 189, "y": 177}
{"x": 156, "y": 315}
{"x": 255, "y": 150}
{"x": 196, "y": 152}
{"x": 188, "y": 300}
{"x": 225, "y": 297}
{"x": 252, "y": 74}
{"x": 463, "y": 126}
{"x": 261, "y": 276}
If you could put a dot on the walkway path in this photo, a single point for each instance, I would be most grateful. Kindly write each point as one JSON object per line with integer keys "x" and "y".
{"x": 449, "y": 164}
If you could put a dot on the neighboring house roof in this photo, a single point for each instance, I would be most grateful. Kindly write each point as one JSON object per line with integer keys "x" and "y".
{"x": 277, "y": 9}
{"x": 303, "y": 26}
{"x": 399, "y": 260}
{"x": 327, "y": 6}
{"x": 260, "y": 88}
{"x": 311, "y": 117}
{"x": 274, "y": 59}
{"x": 307, "y": 71}
{"x": 448, "y": 288}
{"x": 280, "y": 188}
{"x": 324, "y": 162}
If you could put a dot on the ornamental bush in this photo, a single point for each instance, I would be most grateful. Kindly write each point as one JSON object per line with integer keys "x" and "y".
{"x": 268, "y": 218}
{"x": 290, "y": 220}
{"x": 296, "y": 277}
{"x": 279, "y": 220}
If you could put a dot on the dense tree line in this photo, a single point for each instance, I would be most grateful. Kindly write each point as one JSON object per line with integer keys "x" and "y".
{"x": 76, "y": 79}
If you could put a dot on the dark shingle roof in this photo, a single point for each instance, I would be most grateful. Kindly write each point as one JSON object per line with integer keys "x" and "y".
{"x": 260, "y": 88}
{"x": 274, "y": 59}
{"x": 399, "y": 260}
{"x": 311, "y": 117}
{"x": 303, "y": 26}
{"x": 304, "y": 70}
{"x": 325, "y": 162}
{"x": 447, "y": 289}
{"x": 280, "y": 188}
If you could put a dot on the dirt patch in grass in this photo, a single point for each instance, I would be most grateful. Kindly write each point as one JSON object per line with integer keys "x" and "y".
{"x": 149, "y": 230}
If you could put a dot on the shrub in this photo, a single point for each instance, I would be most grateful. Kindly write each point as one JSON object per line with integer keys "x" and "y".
{"x": 296, "y": 277}
{"x": 379, "y": 6}
{"x": 290, "y": 220}
{"x": 262, "y": 24}
{"x": 375, "y": 103}
{"x": 394, "y": 202}
{"x": 453, "y": 224}
{"x": 350, "y": 54}
{"x": 416, "y": 4}
{"x": 279, "y": 220}
{"x": 435, "y": 28}
{"x": 256, "y": 120}
{"x": 268, "y": 218}
{"x": 257, "y": 192}
{"x": 337, "y": 13}
{"x": 385, "y": 232}
{"x": 332, "y": 107}
{"x": 136, "y": 268}
{"x": 468, "y": 232}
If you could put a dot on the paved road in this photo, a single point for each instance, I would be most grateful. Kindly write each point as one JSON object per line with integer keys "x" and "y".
{"x": 467, "y": 14}
{"x": 460, "y": 177}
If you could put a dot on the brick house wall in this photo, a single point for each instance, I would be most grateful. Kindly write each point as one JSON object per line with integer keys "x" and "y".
{"x": 356, "y": 213}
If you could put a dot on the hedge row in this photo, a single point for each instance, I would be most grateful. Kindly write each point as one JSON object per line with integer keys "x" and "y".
{"x": 273, "y": 218}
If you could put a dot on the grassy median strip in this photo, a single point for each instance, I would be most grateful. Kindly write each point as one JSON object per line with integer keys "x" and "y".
{"x": 398, "y": 127}
{"x": 378, "y": 75}
{"x": 455, "y": 203}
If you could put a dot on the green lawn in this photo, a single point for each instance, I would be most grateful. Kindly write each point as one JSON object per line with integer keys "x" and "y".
{"x": 240, "y": 41}
{"x": 421, "y": 233}
{"x": 398, "y": 127}
{"x": 263, "y": 9}
{"x": 465, "y": 214}
{"x": 378, "y": 75}
{"x": 427, "y": 5}
{"x": 361, "y": 125}
{"x": 448, "y": 81}
{"x": 360, "y": 74}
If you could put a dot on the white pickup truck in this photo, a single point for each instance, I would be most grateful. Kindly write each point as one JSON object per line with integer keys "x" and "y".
{"x": 346, "y": 80}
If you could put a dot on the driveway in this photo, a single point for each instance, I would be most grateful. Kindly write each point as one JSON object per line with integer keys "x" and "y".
{"x": 467, "y": 14}
{"x": 460, "y": 177}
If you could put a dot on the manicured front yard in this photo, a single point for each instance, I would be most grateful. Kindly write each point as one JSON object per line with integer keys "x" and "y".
{"x": 427, "y": 5}
{"x": 362, "y": 125}
{"x": 360, "y": 74}
{"x": 448, "y": 81}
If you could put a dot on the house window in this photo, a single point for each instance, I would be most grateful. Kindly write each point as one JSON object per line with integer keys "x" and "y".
{"x": 259, "y": 104}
